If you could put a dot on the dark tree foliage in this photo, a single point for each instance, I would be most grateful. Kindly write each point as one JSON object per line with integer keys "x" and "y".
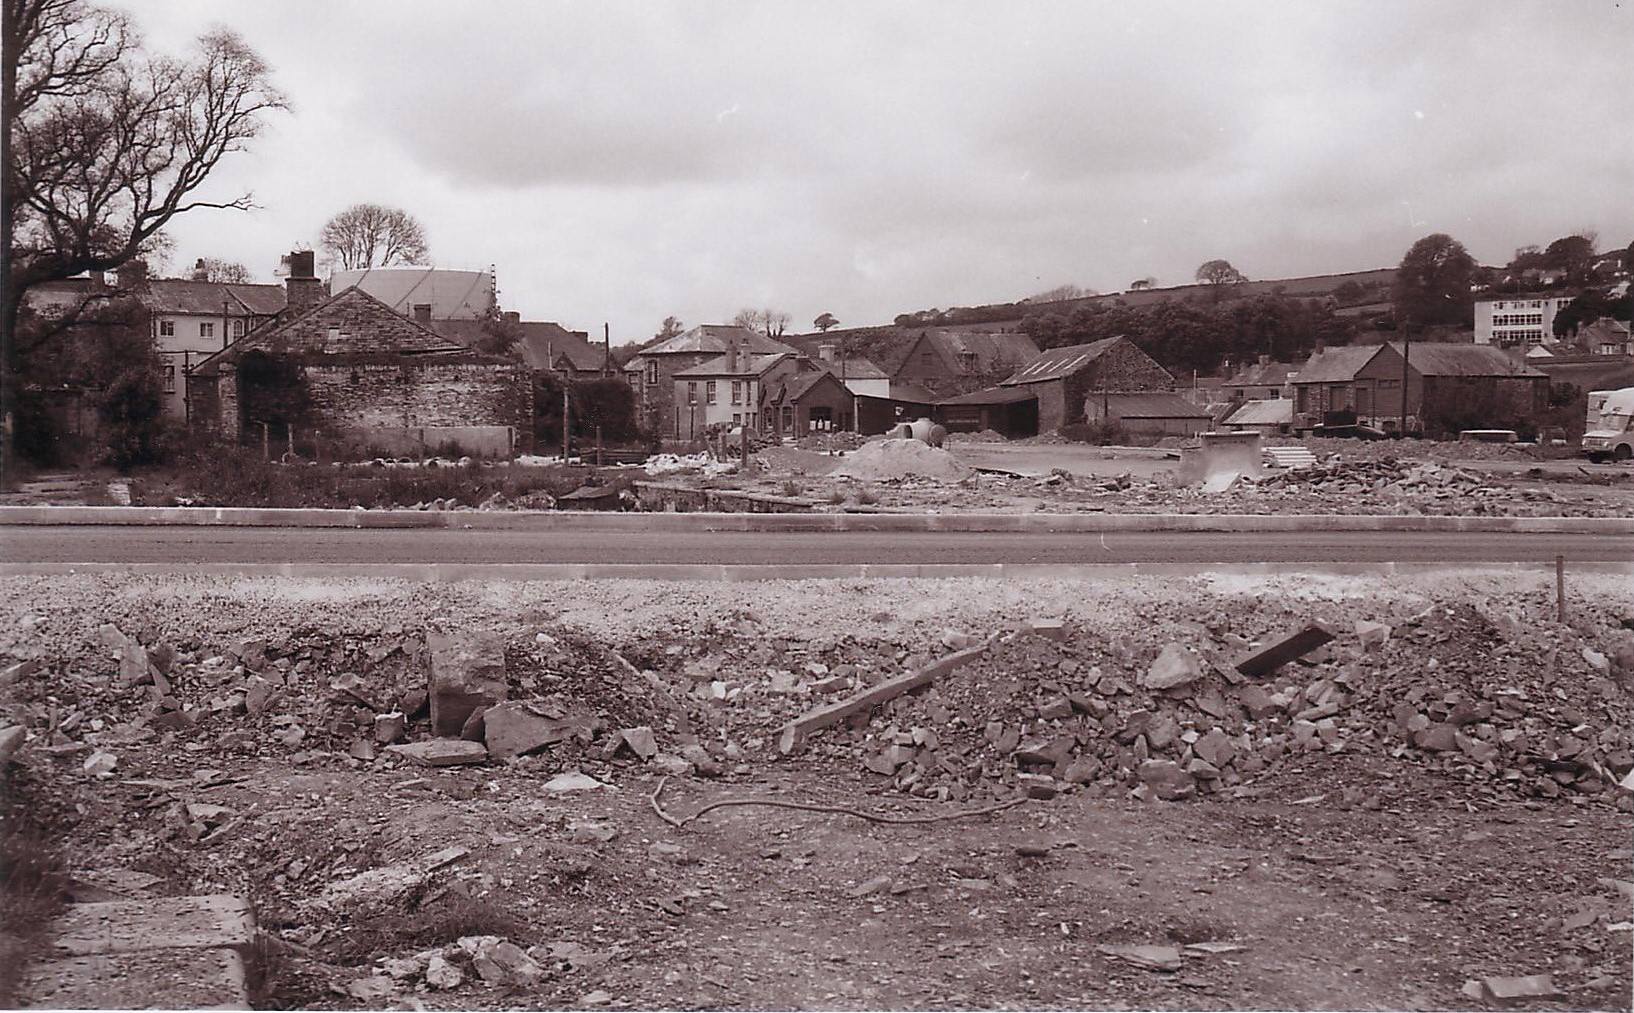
{"x": 1187, "y": 336}
{"x": 609, "y": 403}
{"x": 1433, "y": 283}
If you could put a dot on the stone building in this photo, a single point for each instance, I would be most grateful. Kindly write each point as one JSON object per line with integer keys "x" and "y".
{"x": 655, "y": 369}
{"x": 348, "y": 367}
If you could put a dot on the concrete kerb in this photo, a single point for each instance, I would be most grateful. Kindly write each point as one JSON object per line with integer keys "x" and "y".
{"x": 454, "y": 572}
{"x": 1041, "y": 523}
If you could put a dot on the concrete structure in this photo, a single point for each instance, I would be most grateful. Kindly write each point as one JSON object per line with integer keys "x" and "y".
{"x": 1363, "y": 383}
{"x": 424, "y": 293}
{"x": 1518, "y": 319}
{"x": 661, "y": 409}
{"x": 350, "y": 367}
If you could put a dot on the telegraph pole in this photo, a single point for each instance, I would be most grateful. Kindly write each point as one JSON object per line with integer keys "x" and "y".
{"x": 1406, "y": 351}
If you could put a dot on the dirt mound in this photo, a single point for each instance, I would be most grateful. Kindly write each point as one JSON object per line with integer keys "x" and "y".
{"x": 892, "y": 460}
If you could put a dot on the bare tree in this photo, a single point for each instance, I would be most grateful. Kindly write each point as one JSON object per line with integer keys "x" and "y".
{"x": 369, "y": 235}
{"x": 225, "y": 272}
{"x": 770, "y": 322}
{"x": 105, "y": 145}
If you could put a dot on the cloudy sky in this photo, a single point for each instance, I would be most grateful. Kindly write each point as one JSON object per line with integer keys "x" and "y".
{"x": 626, "y": 161}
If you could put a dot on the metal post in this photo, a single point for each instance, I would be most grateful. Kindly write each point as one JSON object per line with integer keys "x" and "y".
{"x": 1560, "y": 589}
{"x": 743, "y": 445}
{"x": 598, "y": 446}
{"x": 1406, "y": 350}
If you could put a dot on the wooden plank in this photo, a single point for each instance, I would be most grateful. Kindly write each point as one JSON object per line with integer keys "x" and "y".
{"x": 865, "y": 700}
{"x": 1279, "y": 652}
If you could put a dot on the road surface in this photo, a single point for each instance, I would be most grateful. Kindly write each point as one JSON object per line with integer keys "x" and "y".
{"x": 186, "y": 545}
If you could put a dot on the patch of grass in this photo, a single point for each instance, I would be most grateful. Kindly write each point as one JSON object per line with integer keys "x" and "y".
{"x": 437, "y": 922}
{"x": 33, "y": 889}
{"x": 867, "y": 496}
{"x": 791, "y": 488}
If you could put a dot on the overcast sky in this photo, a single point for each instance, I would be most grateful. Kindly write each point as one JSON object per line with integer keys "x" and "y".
{"x": 626, "y": 161}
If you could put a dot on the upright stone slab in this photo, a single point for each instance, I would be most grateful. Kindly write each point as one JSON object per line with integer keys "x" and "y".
{"x": 467, "y": 672}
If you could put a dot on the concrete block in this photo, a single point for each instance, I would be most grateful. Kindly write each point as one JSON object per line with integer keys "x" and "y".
{"x": 124, "y": 926}
{"x": 195, "y": 978}
{"x": 467, "y": 672}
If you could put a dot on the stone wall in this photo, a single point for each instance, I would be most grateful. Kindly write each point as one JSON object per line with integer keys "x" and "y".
{"x": 421, "y": 394}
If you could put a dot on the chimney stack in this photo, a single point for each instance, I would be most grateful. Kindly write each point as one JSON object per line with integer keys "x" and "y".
{"x": 513, "y": 316}
{"x": 1320, "y": 348}
{"x": 200, "y": 272}
{"x": 302, "y": 288}
{"x": 826, "y": 351}
{"x": 422, "y": 312}
{"x": 732, "y": 356}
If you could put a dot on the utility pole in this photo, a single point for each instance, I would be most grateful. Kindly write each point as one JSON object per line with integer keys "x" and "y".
{"x": 564, "y": 423}
{"x": 1406, "y": 350}
{"x": 607, "y": 349}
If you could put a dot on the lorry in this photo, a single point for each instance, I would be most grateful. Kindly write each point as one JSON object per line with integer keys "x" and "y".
{"x": 1609, "y": 430}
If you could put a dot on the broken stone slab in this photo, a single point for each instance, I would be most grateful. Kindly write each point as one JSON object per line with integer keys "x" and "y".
{"x": 160, "y": 923}
{"x": 192, "y": 978}
{"x": 1174, "y": 667}
{"x": 795, "y": 732}
{"x": 1049, "y": 629}
{"x": 467, "y": 672}
{"x": 441, "y": 752}
{"x": 1440, "y": 738}
{"x": 1151, "y": 958}
{"x": 1372, "y": 635}
{"x": 1279, "y": 652}
{"x": 511, "y": 729}
{"x": 11, "y": 740}
{"x": 575, "y": 781}
{"x": 1531, "y": 986}
{"x": 1166, "y": 779}
{"x": 389, "y": 727}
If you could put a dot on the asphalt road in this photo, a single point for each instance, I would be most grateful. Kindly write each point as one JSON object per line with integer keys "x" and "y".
{"x": 186, "y": 545}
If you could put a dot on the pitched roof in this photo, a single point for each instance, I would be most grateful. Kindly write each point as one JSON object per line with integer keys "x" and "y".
{"x": 748, "y": 365}
{"x": 911, "y": 392}
{"x": 1336, "y": 365}
{"x": 299, "y": 334}
{"x": 1602, "y": 331}
{"x": 981, "y": 351}
{"x": 1059, "y": 362}
{"x": 1274, "y": 411}
{"x": 541, "y": 343}
{"x": 800, "y": 384}
{"x": 1261, "y": 374}
{"x": 1151, "y": 405}
{"x": 452, "y": 295}
{"x": 1462, "y": 360}
{"x": 991, "y": 396}
{"x": 207, "y": 298}
{"x": 717, "y": 338}
{"x": 855, "y": 369}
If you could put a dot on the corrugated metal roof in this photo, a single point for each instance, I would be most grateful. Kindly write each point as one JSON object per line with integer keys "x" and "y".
{"x": 1061, "y": 362}
{"x": 1274, "y": 412}
{"x": 1151, "y": 405}
{"x": 452, "y": 295}
{"x": 992, "y": 396}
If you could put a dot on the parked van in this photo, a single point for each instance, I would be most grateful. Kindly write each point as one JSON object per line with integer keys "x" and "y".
{"x": 1609, "y": 429}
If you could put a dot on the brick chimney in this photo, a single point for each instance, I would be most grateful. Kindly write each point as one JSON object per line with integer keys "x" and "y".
{"x": 422, "y": 312}
{"x": 826, "y": 351}
{"x": 514, "y": 317}
{"x": 732, "y": 356}
{"x": 200, "y": 272}
{"x": 302, "y": 288}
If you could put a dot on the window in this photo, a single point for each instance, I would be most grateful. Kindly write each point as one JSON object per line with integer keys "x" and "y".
{"x": 207, "y": 330}
{"x": 737, "y": 418}
{"x": 709, "y": 391}
{"x": 737, "y": 391}
{"x": 238, "y": 327}
{"x": 170, "y": 379}
{"x": 692, "y": 392}
{"x": 167, "y": 328}
{"x": 652, "y": 371}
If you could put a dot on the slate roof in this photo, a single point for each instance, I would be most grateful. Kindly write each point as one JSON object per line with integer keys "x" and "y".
{"x": 541, "y": 343}
{"x": 1337, "y": 365}
{"x": 1462, "y": 360}
{"x": 979, "y": 351}
{"x": 422, "y": 340}
{"x": 1061, "y": 362}
{"x": 205, "y": 298}
{"x": 1256, "y": 374}
{"x": 1151, "y": 405}
{"x": 748, "y": 365}
{"x": 855, "y": 369}
{"x": 797, "y": 386}
{"x": 1271, "y": 412}
{"x": 911, "y": 392}
{"x": 452, "y": 295}
{"x": 717, "y": 338}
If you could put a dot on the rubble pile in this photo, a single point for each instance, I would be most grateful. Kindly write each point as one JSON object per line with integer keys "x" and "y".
{"x": 839, "y": 440}
{"x": 1542, "y": 714}
{"x": 889, "y": 460}
{"x": 1393, "y": 478}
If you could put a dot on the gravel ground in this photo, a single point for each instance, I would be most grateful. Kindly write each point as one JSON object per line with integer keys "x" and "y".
{"x": 1363, "y": 878}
